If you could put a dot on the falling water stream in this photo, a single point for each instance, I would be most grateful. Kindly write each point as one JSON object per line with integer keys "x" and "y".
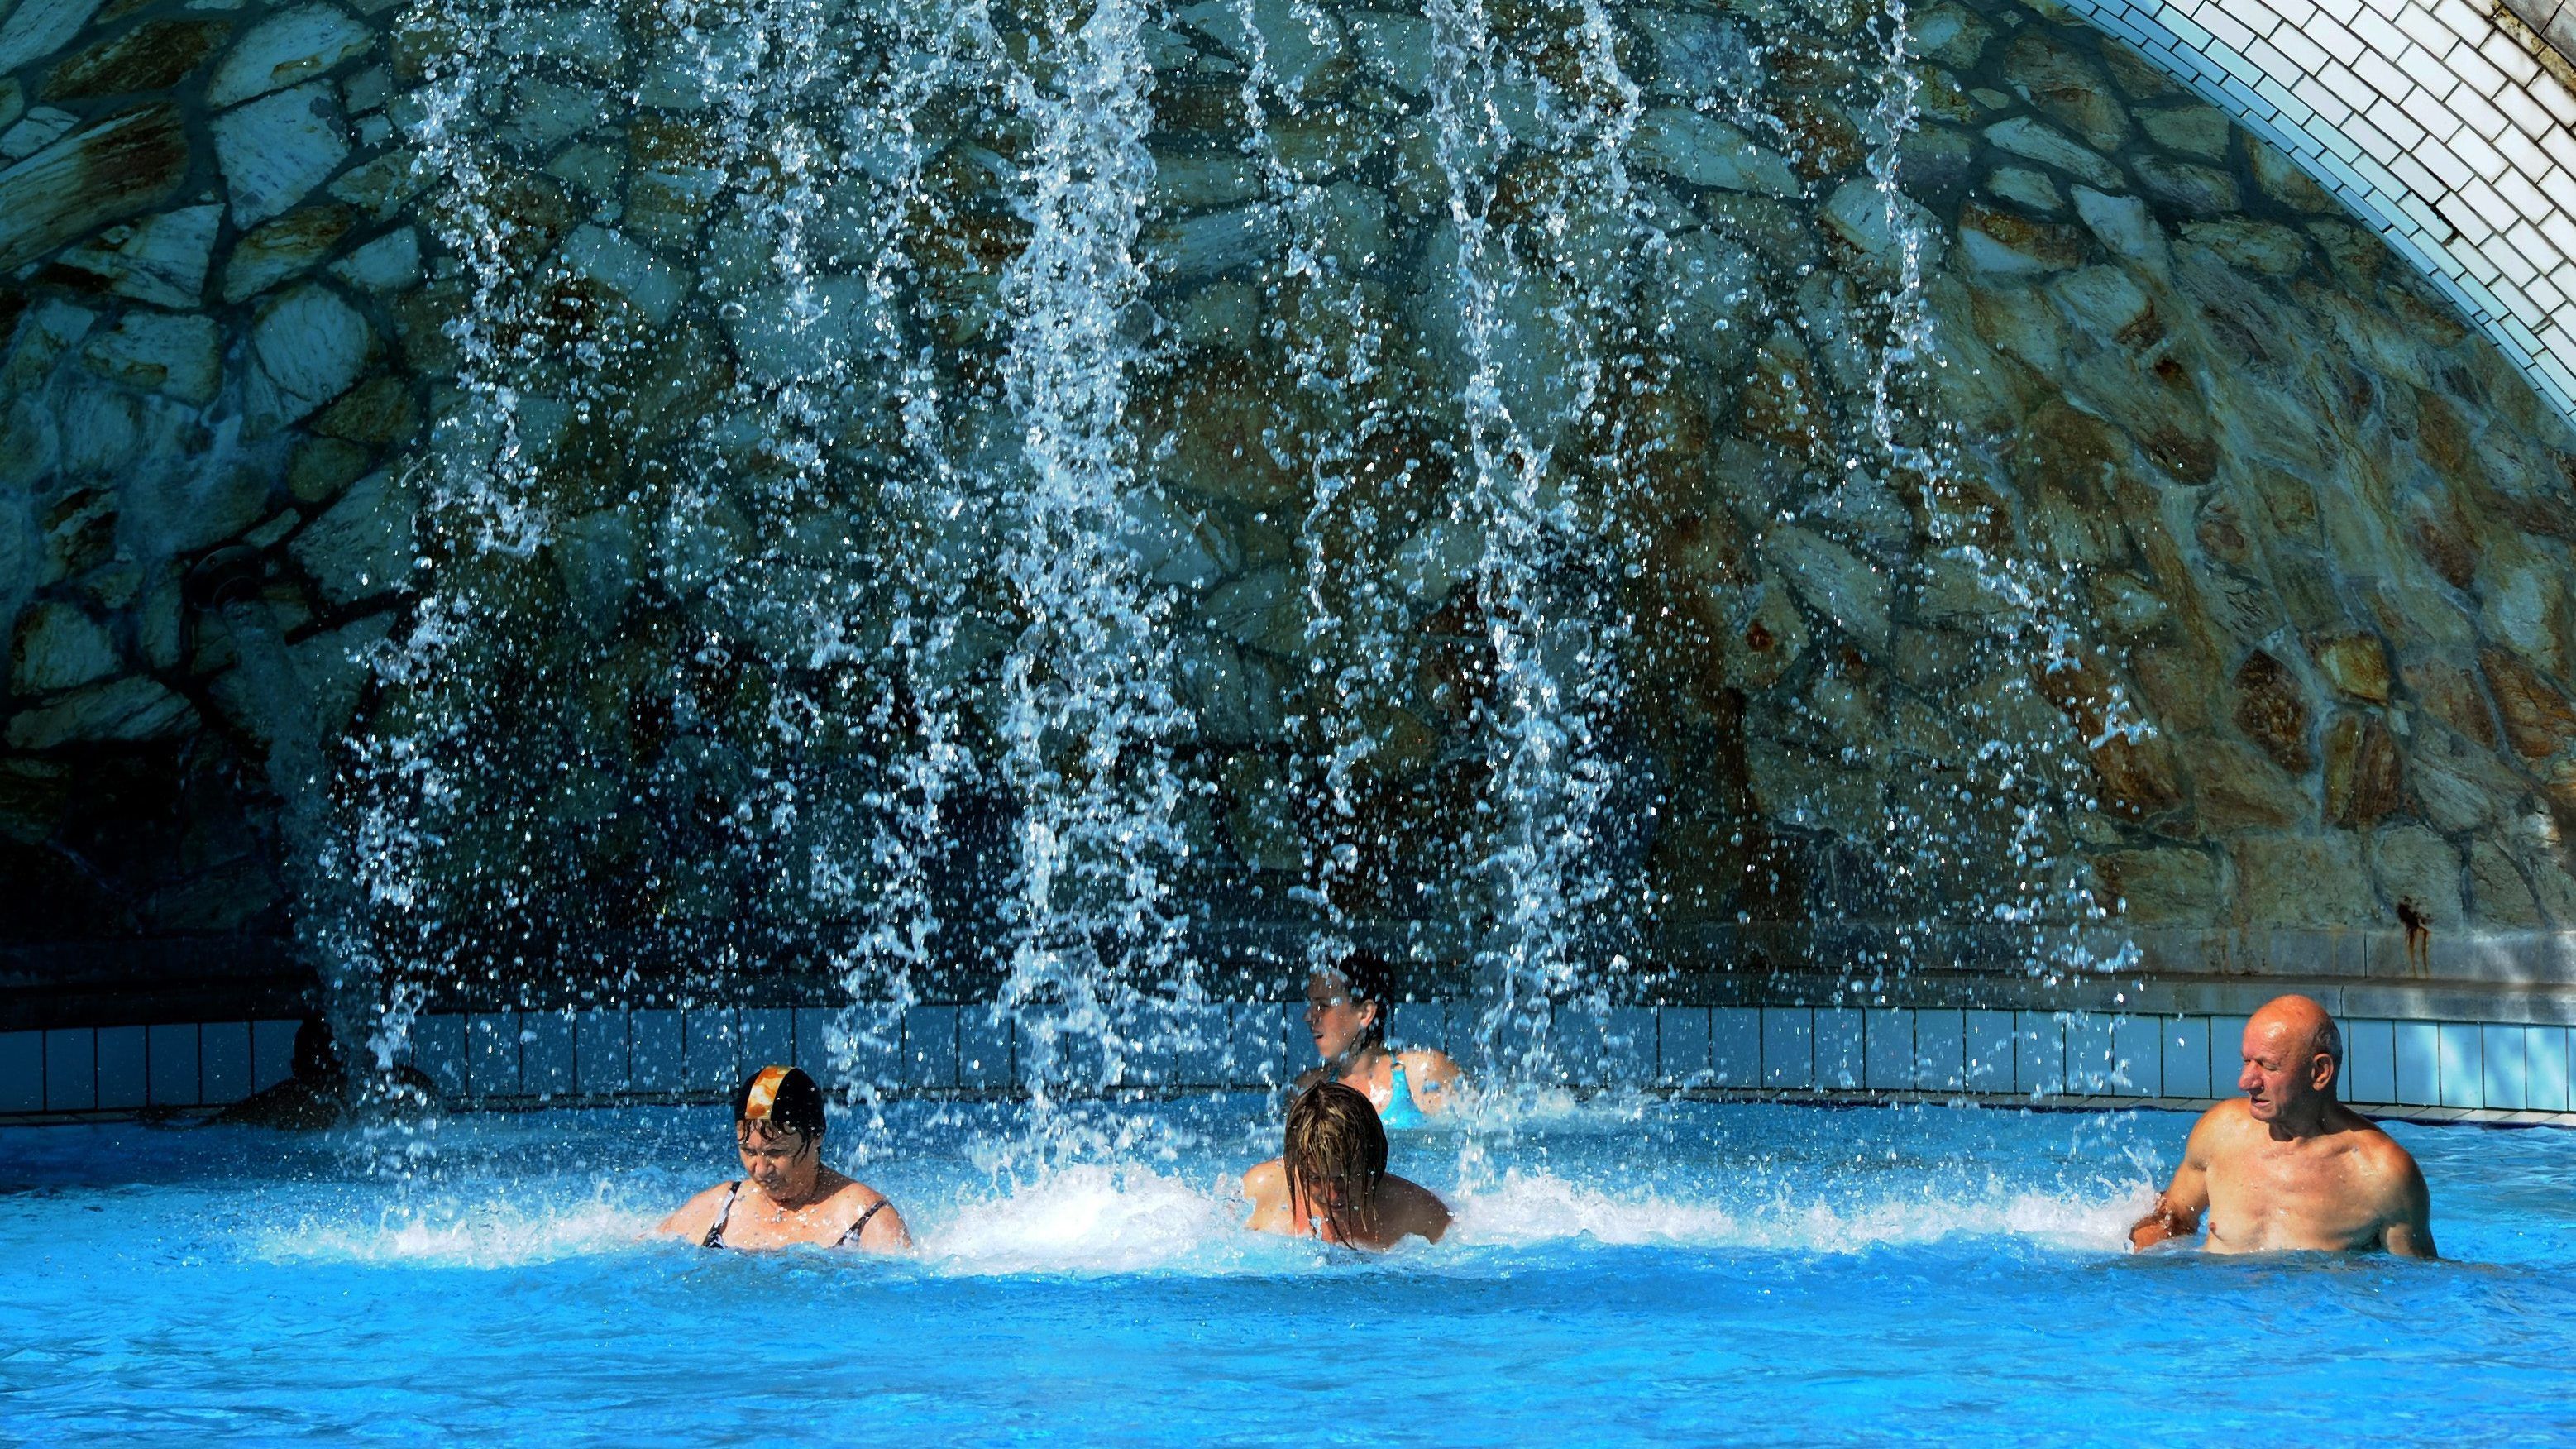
{"x": 816, "y": 571}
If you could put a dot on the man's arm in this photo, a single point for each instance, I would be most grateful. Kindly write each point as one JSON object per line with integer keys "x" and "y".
{"x": 2177, "y": 1212}
{"x": 2409, "y": 1233}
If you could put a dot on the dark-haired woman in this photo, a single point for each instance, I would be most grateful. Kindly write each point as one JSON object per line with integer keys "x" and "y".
{"x": 1330, "y": 1179}
{"x": 1347, "y": 1007}
{"x": 785, "y": 1194}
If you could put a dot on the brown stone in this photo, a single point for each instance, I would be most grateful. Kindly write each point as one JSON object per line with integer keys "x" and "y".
{"x": 1994, "y": 240}
{"x": 1781, "y": 403}
{"x": 2365, "y": 778}
{"x": 2171, "y": 886}
{"x": 2302, "y": 880}
{"x": 2452, "y": 696}
{"x": 112, "y": 169}
{"x": 2273, "y": 711}
{"x": 1212, "y": 431}
{"x": 378, "y": 411}
{"x": 2356, "y": 665}
{"x": 150, "y": 57}
{"x": 2067, "y": 88}
{"x": 2538, "y": 720}
{"x": 2235, "y": 789}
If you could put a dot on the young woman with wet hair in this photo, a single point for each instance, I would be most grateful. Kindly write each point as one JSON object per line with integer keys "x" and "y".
{"x": 1348, "y": 1005}
{"x": 785, "y": 1194}
{"x": 1330, "y": 1180}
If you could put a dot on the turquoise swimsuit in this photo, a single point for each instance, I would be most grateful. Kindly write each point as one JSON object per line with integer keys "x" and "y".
{"x": 1400, "y": 1110}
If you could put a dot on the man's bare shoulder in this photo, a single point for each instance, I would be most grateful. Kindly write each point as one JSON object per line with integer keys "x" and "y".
{"x": 2221, "y": 1127}
{"x": 2379, "y": 1155}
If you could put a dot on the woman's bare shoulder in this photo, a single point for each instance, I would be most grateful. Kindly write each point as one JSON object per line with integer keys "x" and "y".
{"x": 1428, "y": 1063}
{"x": 1265, "y": 1179}
{"x": 697, "y": 1214}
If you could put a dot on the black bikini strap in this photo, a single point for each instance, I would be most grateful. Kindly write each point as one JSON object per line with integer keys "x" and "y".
{"x": 850, "y": 1239}
{"x": 715, "y": 1230}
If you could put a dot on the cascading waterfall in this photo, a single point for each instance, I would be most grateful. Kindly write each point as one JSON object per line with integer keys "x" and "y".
{"x": 813, "y": 490}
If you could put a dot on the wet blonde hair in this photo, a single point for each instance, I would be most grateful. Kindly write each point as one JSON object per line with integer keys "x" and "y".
{"x": 1335, "y": 1155}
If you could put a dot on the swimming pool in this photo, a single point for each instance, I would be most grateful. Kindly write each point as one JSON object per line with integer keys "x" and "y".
{"x": 1644, "y": 1272}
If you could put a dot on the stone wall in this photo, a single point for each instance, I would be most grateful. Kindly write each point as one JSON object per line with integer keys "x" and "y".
{"x": 2316, "y": 524}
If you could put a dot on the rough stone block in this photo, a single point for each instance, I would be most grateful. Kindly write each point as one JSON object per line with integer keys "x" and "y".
{"x": 274, "y": 151}
{"x": 111, "y": 170}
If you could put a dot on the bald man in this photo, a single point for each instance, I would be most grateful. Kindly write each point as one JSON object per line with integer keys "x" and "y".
{"x": 2287, "y": 1167}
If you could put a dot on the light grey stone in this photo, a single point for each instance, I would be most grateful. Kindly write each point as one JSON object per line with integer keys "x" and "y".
{"x": 2409, "y": 862}
{"x": 1220, "y": 241}
{"x": 1832, "y": 580}
{"x": 161, "y": 352}
{"x": 284, "y": 248}
{"x": 782, "y": 333}
{"x": 1258, "y": 610}
{"x": 1698, "y": 55}
{"x": 59, "y": 647}
{"x": 600, "y": 557}
{"x": 1351, "y": 220}
{"x": 2025, "y": 188}
{"x": 287, "y": 48}
{"x": 1221, "y": 314}
{"x": 41, "y": 128}
{"x": 362, "y": 545}
{"x": 1299, "y": 42}
{"x": 2193, "y": 130}
{"x": 625, "y": 268}
{"x": 383, "y": 186}
{"x": 2200, "y": 190}
{"x": 48, "y": 331}
{"x": 102, "y": 430}
{"x": 1175, "y": 549}
{"x": 38, "y": 28}
{"x": 543, "y": 114}
{"x": 1857, "y": 216}
{"x": 276, "y": 149}
{"x": 2125, "y": 229}
{"x": 2104, "y": 301}
{"x": 186, "y": 510}
{"x": 390, "y": 263}
{"x": 1192, "y": 179}
{"x": 1714, "y": 284}
{"x": 1705, "y": 151}
{"x": 307, "y": 346}
{"x": 584, "y": 39}
{"x": 2256, "y": 246}
{"x": 108, "y": 171}
{"x": 1396, "y": 47}
{"x": 160, "y": 259}
{"x": 121, "y": 711}
{"x": 2036, "y": 140}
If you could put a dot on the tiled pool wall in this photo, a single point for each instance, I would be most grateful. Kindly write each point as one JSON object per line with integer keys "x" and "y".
{"x": 523, "y": 1059}
{"x": 2437, "y": 124}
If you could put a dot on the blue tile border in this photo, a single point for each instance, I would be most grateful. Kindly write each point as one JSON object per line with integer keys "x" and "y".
{"x": 610, "y": 1054}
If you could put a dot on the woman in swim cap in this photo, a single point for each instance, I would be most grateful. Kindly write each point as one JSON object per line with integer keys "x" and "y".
{"x": 1330, "y": 1179}
{"x": 1347, "y": 1006}
{"x": 786, "y": 1195}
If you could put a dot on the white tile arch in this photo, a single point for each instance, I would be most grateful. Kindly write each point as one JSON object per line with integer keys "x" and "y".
{"x": 2432, "y": 122}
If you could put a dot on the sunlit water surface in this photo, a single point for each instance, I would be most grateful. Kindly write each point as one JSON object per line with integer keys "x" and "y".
{"x": 1648, "y": 1273}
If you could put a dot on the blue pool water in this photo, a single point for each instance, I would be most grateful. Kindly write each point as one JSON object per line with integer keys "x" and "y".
{"x": 1650, "y": 1273}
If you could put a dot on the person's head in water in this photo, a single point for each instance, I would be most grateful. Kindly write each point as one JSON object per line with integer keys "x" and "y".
{"x": 778, "y": 1127}
{"x": 1347, "y": 1005}
{"x": 316, "y": 1060}
{"x": 1335, "y": 1158}
{"x": 2293, "y": 1057}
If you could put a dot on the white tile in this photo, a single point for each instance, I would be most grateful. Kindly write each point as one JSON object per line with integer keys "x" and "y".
{"x": 223, "y": 1059}
{"x": 1788, "y": 1046}
{"x": 1628, "y": 1037}
{"x": 2184, "y": 1041}
{"x": 1940, "y": 1050}
{"x": 2544, "y": 1051}
{"x": 437, "y": 1052}
{"x": 2505, "y": 1083}
{"x": 599, "y": 1052}
{"x": 1986, "y": 1064}
{"x": 492, "y": 1054}
{"x": 2419, "y": 1064}
{"x": 71, "y": 1069}
{"x": 710, "y": 1049}
{"x": 2463, "y": 1075}
{"x": 22, "y": 1071}
{"x": 172, "y": 1065}
{"x": 2369, "y": 1062}
{"x": 1682, "y": 1045}
{"x": 1735, "y": 1045}
{"x": 1840, "y": 1055}
{"x": 655, "y": 1049}
{"x": 768, "y": 1038}
{"x": 122, "y": 1075}
{"x": 2137, "y": 1056}
{"x": 2088, "y": 1053}
{"x": 546, "y": 1061}
{"x": 272, "y": 1052}
{"x": 984, "y": 1047}
{"x": 1887, "y": 1050}
{"x": 2039, "y": 1052}
{"x": 930, "y": 1046}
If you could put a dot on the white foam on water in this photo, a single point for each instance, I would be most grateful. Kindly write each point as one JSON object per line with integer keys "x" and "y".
{"x": 1092, "y": 1220}
{"x": 503, "y": 1233}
